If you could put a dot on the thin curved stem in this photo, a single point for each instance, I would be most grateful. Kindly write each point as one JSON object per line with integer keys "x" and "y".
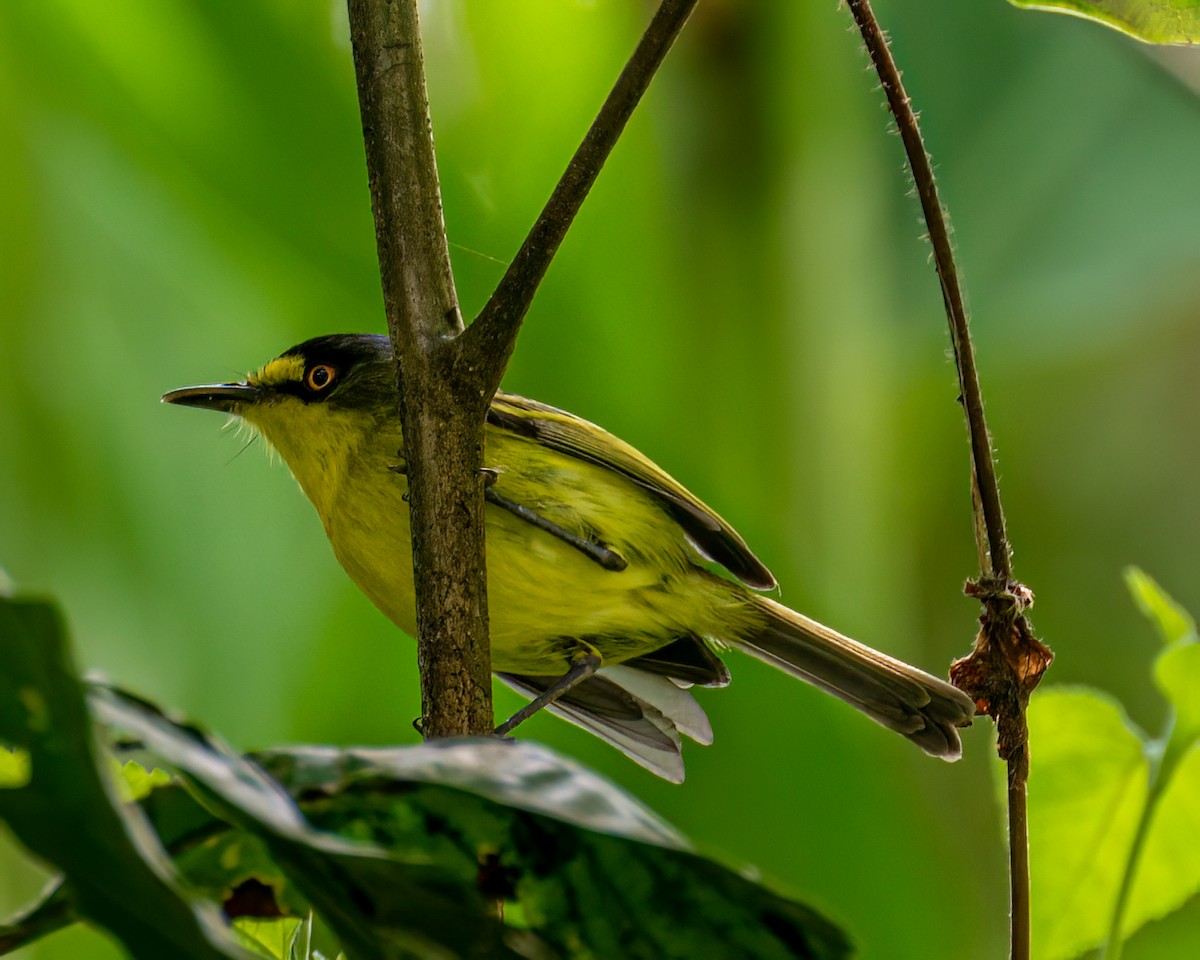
{"x": 983, "y": 460}
{"x": 1008, "y": 661}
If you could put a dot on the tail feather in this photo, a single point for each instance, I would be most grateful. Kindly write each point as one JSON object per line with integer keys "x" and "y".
{"x": 902, "y": 698}
{"x": 639, "y": 713}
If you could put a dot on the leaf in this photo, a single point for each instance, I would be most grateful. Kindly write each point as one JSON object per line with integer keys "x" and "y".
{"x": 1113, "y": 817}
{"x": 1151, "y": 21}
{"x": 271, "y": 938}
{"x": 403, "y": 853}
{"x": 1088, "y": 785}
{"x": 576, "y": 861}
{"x": 380, "y": 905}
{"x": 1173, "y": 622}
{"x": 1177, "y": 674}
{"x": 511, "y": 773}
{"x": 572, "y": 856}
{"x": 14, "y": 768}
{"x": 135, "y": 782}
{"x": 68, "y": 813}
{"x": 51, "y": 912}
{"x": 1176, "y": 669}
{"x": 1168, "y": 870}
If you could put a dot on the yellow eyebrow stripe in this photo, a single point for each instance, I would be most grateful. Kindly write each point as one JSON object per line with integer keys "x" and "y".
{"x": 288, "y": 369}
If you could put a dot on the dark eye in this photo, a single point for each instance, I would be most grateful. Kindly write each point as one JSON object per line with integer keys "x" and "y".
{"x": 319, "y": 377}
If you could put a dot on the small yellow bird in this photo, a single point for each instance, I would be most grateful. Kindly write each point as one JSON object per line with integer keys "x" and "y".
{"x": 600, "y": 605}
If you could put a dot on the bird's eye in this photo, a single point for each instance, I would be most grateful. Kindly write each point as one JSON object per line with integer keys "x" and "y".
{"x": 319, "y": 377}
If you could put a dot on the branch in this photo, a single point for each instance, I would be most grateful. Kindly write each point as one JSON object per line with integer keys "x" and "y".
{"x": 492, "y": 336}
{"x": 446, "y": 378}
{"x": 441, "y": 411}
{"x": 1008, "y": 661}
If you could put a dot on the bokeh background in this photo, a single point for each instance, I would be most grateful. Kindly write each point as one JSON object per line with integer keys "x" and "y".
{"x": 744, "y": 297}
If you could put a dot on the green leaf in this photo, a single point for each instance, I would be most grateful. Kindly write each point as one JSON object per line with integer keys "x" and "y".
{"x": 68, "y": 813}
{"x": 1168, "y": 870}
{"x": 1151, "y": 21}
{"x": 1088, "y": 784}
{"x": 1177, "y": 674}
{"x": 514, "y": 773}
{"x": 1176, "y": 669}
{"x": 1113, "y": 815}
{"x": 1173, "y": 622}
{"x": 51, "y": 912}
{"x": 381, "y": 905}
{"x": 14, "y": 768}
{"x": 583, "y": 869}
{"x": 404, "y": 852}
{"x": 573, "y": 858}
{"x": 136, "y": 782}
{"x": 271, "y": 938}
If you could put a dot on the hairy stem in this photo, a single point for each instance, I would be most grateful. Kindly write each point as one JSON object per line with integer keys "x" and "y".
{"x": 982, "y": 458}
{"x": 1008, "y": 661}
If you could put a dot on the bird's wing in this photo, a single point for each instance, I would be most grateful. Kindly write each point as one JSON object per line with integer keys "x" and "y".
{"x": 569, "y": 434}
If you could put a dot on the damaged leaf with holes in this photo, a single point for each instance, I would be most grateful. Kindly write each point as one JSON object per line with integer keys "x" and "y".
{"x": 471, "y": 848}
{"x": 566, "y": 855}
{"x": 563, "y": 853}
{"x": 574, "y": 871}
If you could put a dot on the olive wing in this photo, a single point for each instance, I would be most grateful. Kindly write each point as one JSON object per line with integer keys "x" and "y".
{"x": 572, "y": 435}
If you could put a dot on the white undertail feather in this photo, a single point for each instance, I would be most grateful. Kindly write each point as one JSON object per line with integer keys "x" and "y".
{"x": 674, "y": 702}
{"x": 639, "y": 713}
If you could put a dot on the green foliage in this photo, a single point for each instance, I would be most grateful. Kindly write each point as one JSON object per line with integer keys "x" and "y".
{"x": 744, "y": 297}
{"x": 66, "y": 812}
{"x": 1153, "y": 21}
{"x": 581, "y": 862}
{"x": 466, "y": 848}
{"x": 1112, "y": 811}
{"x": 14, "y": 768}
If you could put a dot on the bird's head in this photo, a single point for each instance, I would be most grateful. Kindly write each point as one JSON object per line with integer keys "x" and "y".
{"x": 318, "y": 404}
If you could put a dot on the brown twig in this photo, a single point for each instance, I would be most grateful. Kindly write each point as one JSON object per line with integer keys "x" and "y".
{"x": 492, "y": 336}
{"x": 442, "y": 412}
{"x": 446, "y": 376}
{"x": 1007, "y": 661}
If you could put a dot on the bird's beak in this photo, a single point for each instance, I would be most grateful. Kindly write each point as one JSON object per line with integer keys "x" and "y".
{"x": 225, "y": 397}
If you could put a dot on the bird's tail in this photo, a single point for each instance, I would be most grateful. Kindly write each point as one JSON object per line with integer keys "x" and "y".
{"x": 640, "y": 713}
{"x": 926, "y": 710}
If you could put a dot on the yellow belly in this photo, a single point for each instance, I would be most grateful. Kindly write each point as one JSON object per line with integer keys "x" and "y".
{"x": 543, "y": 594}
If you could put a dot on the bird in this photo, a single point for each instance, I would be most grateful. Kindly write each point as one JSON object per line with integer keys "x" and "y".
{"x": 607, "y": 604}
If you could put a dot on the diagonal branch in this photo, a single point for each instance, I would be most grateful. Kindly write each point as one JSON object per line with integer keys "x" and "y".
{"x": 1008, "y": 661}
{"x": 489, "y": 341}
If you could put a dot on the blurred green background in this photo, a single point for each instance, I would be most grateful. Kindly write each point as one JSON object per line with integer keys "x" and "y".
{"x": 744, "y": 297}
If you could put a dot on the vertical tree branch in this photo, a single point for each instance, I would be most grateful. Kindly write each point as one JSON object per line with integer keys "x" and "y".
{"x": 442, "y": 412}
{"x": 1008, "y": 661}
{"x": 446, "y": 377}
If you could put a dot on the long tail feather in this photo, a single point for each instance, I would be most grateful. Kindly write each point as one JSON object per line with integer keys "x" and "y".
{"x": 926, "y": 710}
